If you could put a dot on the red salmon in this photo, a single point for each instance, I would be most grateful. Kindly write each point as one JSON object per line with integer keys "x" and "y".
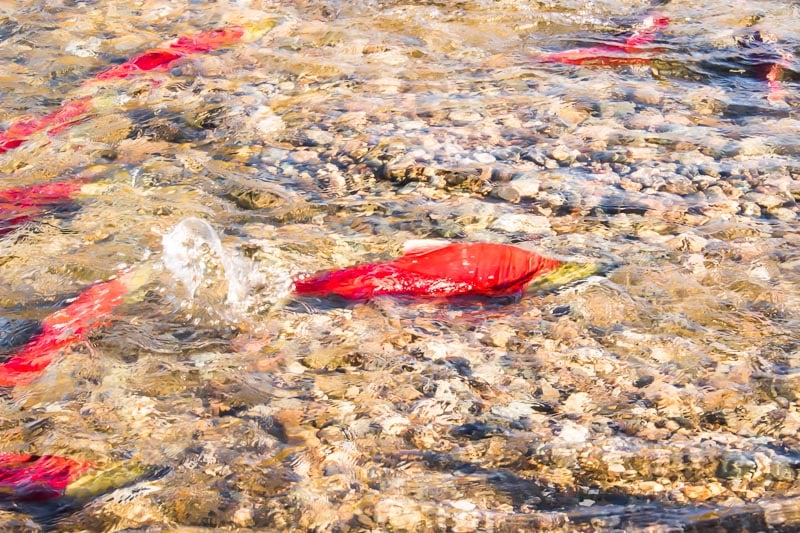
{"x": 434, "y": 268}
{"x": 633, "y": 51}
{"x": 26, "y": 477}
{"x": 63, "y": 329}
{"x": 21, "y": 204}
{"x": 160, "y": 59}
{"x": 163, "y": 58}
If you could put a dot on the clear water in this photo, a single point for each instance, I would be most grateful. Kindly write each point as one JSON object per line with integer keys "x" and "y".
{"x": 662, "y": 394}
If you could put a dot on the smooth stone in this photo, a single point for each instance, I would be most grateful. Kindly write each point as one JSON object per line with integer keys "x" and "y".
{"x": 521, "y": 223}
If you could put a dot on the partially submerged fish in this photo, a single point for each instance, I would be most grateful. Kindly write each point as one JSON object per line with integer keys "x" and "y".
{"x": 768, "y": 61}
{"x": 70, "y": 113}
{"x": 68, "y": 327}
{"x": 26, "y": 477}
{"x": 20, "y": 204}
{"x": 163, "y": 58}
{"x": 40, "y": 478}
{"x": 761, "y": 58}
{"x": 634, "y": 50}
{"x": 160, "y": 59}
{"x": 437, "y": 269}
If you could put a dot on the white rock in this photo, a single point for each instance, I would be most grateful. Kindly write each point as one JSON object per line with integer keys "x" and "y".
{"x": 270, "y": 125}
{"x": 577, "y": 403}
{"x": 514, "y": 410}
{"x": 87, "y": 48}
{"x": 522, "y": 223}
{"x": 573, "y": 433}
{"x": 483, "y": 157}
{"x": 464, "y": 505}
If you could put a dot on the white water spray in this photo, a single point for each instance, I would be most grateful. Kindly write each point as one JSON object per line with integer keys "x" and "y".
{"x": 192, "y": 245}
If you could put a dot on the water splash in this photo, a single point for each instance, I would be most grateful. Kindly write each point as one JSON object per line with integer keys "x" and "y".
{"x": 195, "y": 255}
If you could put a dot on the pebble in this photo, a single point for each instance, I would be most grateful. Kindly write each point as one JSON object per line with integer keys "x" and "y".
{"x": 522, "y": 223}
{"x": 243, "y": 517}
{"x": 783, "y": 213}
{"x": 318, "y": 137}
{"x": 484, "y": 158}
{"x": 87, "y": 48}
{"x": 577, "y": 403}
{"x": 303, "y": 156}
{"x": 689, "y": 242}
{"x": 464, "y": 116}
{"x": 499, "y": 335}
{"x": 572, "y": 433}
{"x": 646, "y": 95}
{"x": 648, "y": 177}
{"x": 754, "y": 146}
{"x": 517, "y": 189}
{"x": 564, "y": 155}
{"x": 514, "y": 410}
{"x": 268, "y": 123}
{"x": 679, "y": 185}
{"x": 401, "y": 514}
{"x": 735, "y": 466}
{"x": 767, "y": 201}
{"x": 617, "y": 109}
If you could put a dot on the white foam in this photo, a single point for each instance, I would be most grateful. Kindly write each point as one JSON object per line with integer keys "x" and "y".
{"x": 192, "y": 244}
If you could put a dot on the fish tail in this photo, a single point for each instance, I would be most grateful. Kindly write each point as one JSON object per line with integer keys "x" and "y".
{"x": 354, "y": 283}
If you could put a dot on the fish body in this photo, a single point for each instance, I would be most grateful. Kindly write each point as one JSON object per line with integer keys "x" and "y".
{"x": 160, "y": 59}
{"x": 43, "y": 194}
{"x": 440, "y": 269}
{"x": 633, "y": 51}
{"x": 70, "y": 113}
{"x": 26, "y": 477}
{"x": 18, "y": 205}
{"x": 602, "y": 56}
{"x": 769, "y": 61}
{"x": 208, "y": 40}
{"x": 62, "y": 329}
{"x": 146, "y": 62}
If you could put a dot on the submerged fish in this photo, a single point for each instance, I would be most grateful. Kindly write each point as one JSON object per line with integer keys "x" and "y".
{"x": 633, "y": 51}
{"x": 163, "y": 58}
{"x": 26, "y": 477}
{"x": 40, "y": 478}
{"x": 68, "y": 327}
{"x": 762, "y": 54}
{"x": 70, "y": 113}
{"x": 434, "y": 268}
{"x": 20, "y": 204}
{"x": 757, "y": 55}
{"x": 74, "y": 111}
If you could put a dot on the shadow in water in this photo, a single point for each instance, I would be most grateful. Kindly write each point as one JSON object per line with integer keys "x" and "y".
{"x": 539, "y": 505}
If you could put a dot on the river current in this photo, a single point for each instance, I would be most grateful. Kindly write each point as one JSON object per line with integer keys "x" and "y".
{"x": 659, "y": 393}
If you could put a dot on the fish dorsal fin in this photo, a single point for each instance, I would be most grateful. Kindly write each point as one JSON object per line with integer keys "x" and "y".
{"x": 423, "y": 246}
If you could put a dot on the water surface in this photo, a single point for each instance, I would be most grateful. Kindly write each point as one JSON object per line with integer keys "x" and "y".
{"x": 663, "y": 393}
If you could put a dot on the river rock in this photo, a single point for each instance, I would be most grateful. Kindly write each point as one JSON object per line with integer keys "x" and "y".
{"x": 522, "y": 223}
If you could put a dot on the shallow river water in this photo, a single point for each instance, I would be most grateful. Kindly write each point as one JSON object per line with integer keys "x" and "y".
{"x": 659, "y": 394}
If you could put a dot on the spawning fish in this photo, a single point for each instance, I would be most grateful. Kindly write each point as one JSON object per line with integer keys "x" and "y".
{"x": 633, "y": 51}
{"x": 160, "y": 59}
{"x": 70, "y": 113}
{"x": 26, "y": 477}
{"x": 434, "y": 268}
{"x": 163, "y": 58}
{"x": 40, "y": 478}
{"x": 68, "y": 326}
{"x": 21, "y": 204}
{"x": 769, "y": 61}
